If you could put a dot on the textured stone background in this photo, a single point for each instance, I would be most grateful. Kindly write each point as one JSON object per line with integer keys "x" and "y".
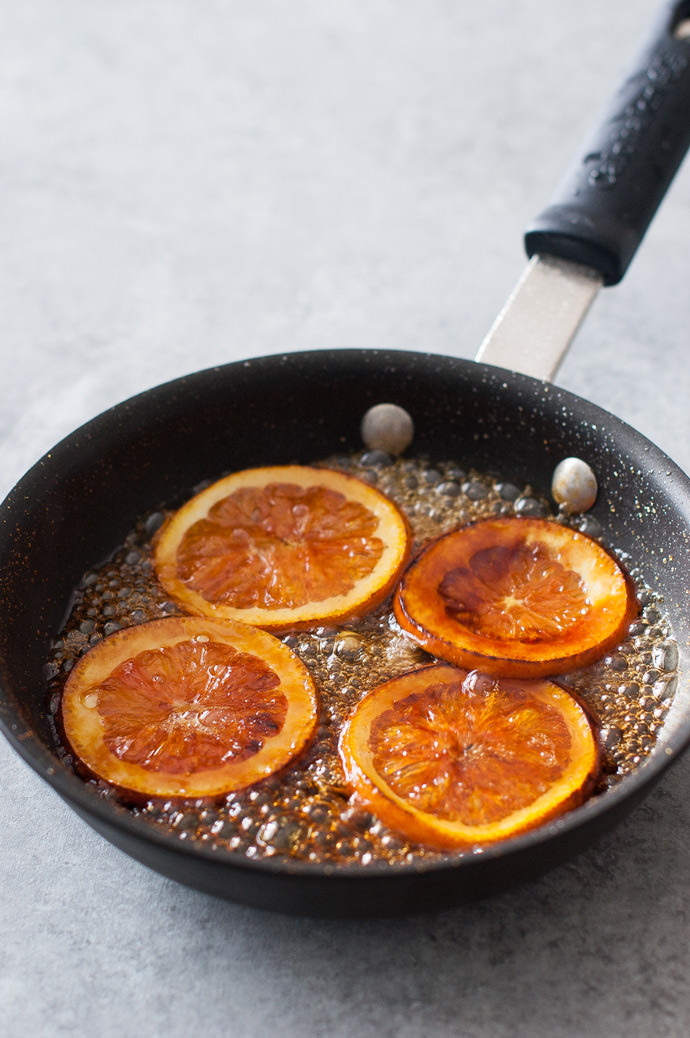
{"x": 184, "y": 184}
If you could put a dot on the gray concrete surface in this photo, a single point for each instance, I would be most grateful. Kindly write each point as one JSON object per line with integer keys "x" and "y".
{"x": 183, "y": 184}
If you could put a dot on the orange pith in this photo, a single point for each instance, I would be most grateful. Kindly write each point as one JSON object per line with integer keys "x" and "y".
{"x": 452, "y": 759}
{"x": 516, "y": 596}
{"x": 188, "y": 707}
{"x": 283, "y": 547}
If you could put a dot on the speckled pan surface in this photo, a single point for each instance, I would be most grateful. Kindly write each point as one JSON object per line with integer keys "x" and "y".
{"x": 77, "y": 504}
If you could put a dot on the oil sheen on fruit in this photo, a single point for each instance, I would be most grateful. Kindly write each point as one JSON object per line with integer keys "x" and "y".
{"x": 307, "y": 812}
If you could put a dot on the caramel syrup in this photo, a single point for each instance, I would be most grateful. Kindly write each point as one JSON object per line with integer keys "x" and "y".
{"x": 306, "y": 812}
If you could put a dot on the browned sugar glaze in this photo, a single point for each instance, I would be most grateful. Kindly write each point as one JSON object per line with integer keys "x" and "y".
{"x": 306, "y": 812}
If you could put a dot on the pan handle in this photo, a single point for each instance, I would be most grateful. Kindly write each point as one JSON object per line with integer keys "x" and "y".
{"x": 604, "y": 205}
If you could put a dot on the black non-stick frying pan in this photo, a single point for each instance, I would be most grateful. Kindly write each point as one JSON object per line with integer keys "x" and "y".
{"x": 78, "y": 503}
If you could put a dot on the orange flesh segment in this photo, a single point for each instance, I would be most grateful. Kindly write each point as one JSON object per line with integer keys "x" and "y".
{"x": 283, "y": 547}
{"x": 188, "y": 707}
{"x": 516, "y": 596}
{"x": 279, "y": 546}
{"x": 519, "y": 593}
{"x": 452, "y": 759}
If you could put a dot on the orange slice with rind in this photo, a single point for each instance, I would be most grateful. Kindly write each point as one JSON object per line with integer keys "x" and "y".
{"x": 516, "y": 596}
{"x": 452, "y": 759}
{"x": 188, "y": 707}
{"x": 283, "y": 548}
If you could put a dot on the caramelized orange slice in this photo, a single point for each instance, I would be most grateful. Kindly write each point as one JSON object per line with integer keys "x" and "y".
{"x": 283, "y": 548}
{"x": 516, "y": 596}
{"x": 188, "y": 707}
{"x": 451, "y": 759}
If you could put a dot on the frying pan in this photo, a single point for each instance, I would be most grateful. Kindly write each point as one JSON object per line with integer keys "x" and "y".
{"x": 76, "y": 505}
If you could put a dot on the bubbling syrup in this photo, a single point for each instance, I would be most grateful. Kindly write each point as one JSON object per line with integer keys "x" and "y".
{"x": 307, "y": 812}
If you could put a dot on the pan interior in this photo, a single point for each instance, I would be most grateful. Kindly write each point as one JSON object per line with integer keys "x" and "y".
{"x": 78, "y": 503}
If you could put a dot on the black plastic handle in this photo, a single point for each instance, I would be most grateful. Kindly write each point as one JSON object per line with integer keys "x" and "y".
{"x": 606, "y": 202}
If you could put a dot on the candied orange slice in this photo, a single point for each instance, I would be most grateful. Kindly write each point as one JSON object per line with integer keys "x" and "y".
{"x": 449, "y": 758}
{"x": 516, "y": 596}
{"x": 188, "y": 707}
{"x": 283, "y": 548}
